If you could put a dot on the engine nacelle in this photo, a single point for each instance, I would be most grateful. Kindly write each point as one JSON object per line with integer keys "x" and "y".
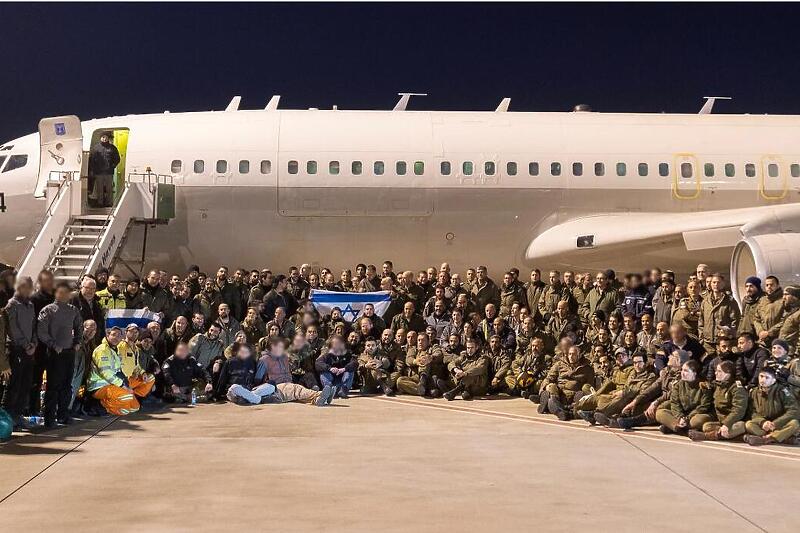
{"x": 771, "y": 254}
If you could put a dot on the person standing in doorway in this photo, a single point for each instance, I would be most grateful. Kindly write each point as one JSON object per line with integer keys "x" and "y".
{"x": 103, "y": 159}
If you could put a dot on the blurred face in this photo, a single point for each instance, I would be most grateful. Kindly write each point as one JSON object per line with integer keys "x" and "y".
{"x": 243, "y": 352}
{"x": 677, "y": 333}
{"x": 182, "y": 351}
{"x": 89, "y": 329}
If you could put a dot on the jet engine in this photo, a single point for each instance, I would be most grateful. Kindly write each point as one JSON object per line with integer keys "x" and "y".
{"x": 770, "y": 254}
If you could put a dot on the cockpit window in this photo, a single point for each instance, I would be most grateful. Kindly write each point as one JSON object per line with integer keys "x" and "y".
{"x": 15, "y": 162}
{"x": 4, "y": 148}
{"x": 2, "y": 160}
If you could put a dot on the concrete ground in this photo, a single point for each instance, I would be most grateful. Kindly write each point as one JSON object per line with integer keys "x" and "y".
{"x": 387, "y": 464}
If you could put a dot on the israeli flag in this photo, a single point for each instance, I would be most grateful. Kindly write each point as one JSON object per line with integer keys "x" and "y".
{"x": 351, "y": 303}
{"x": 122, "y": 317}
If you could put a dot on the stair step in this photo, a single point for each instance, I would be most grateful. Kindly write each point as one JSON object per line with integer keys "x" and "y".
{"x": 91, "y": 217}
{"x": 81, "y": 226}
{"x": 68, "y": 267}
{"x": 79, "y": 236}
{"x": 78, "y": 246}
{"x": 71, "y": 256}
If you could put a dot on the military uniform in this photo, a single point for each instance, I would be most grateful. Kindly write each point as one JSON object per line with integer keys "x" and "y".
{"x": 475, "y": 379}
{"x": 509, "y": 296}
{"x": 604, "y": 395}
{"x": 716, "y": 313}
{"x": 750, "y": 307}
{"x": 533, "y": 294}
{"x": 790, "y": 328}
{"x": 564, "y": 381}
{"x": 421, "y": 366}
{"x": 415, "y": 323}
{"x": 550, "y": 297}
{"x": 499, "y": 364}
{"x": 483, "y": 295}
{"x": 374, "y": 379}
{"x": 689, "y": 400}
{"x": 635, "y": 383}
{"x": 606, "y": 301}
{"x": 526, "y": 373}
{"x": 301, "y": 364}
{"x": 730, "y": 408}
{"x": 768, "y": 316}
{"x": 557, "y": 327}
{"x": 778, "y": 405}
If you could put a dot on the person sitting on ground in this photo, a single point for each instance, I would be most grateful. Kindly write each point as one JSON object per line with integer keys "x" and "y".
{"x": 564, "y": 380}
{"x": 638, "y": 380}
{"x": 730, "y": 406}
{"x": 610, "y": 389}
{"x": 337, "y": 367}
{"x": 208, "y": 349}
{"x": 689, "y": 405}
{"x": 181, "y": 372}
{"x": 469, "y": 373}
{"x": 775, "y": 416}
{"x": 499, "y": 364}
{"x": 108, "y": 384}
{"x": 420, "y": 361}
{"x": 274, "y": 368}
{"x": 373, "y": 368}
{"x": 237, "y": 379}
{"x": 528, "y": 370}
{"x": 301, "y": 359}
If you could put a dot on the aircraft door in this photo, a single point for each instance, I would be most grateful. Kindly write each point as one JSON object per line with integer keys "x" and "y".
{"x": 686, "y": 184}
{"x": 773, "y": 182}
{"x": 61, "y": 151}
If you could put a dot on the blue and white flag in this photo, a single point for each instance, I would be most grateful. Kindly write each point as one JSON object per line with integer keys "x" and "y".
{"x": 350, "y": 303}
{"x": 122, "y": 317}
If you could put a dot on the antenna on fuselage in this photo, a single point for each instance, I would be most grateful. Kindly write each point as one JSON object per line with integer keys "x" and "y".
{"x": 503, "y": 107}
{"x": 234, "y": 105}
{"x": 272, "y": 105}
{"x": 404, "y": 98}
{"x": 709, "y": 105}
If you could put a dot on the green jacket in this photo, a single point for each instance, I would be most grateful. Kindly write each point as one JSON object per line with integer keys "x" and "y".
{"x": 606, "y": 301}
{"x": 690, "y": 398}
{"x": 617, "y": 381}
{"x": 476, "y": 365}
{"x": 550, "y": 298}
{"x": 570, "y": 377}
{"x": 730, "y": 402}
{"x": 776, "y": 404}
{"x": 747, "y": 323}
{"x": 499, "y": 363}
{"x": 790, "y": 328}
{"x": 768, "y": 315}
{"x": 715, "y": 314}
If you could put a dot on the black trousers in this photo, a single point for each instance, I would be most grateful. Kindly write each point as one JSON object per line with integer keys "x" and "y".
{"x": 15, "y": 398}
{"x": 59, "y": 383}
{"x": 39, "y": 365}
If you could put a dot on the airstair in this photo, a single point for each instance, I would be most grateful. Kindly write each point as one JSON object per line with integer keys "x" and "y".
{"x": 74, "y": 239}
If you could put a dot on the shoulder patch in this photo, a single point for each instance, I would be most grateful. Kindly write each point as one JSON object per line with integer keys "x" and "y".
{"x": 739, "y": 384}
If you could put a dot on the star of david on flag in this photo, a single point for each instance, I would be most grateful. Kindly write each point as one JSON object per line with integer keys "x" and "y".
{"x": 351, "y": 303}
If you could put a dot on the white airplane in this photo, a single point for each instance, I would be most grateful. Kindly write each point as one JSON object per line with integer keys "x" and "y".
{"x": 272, "y": 187}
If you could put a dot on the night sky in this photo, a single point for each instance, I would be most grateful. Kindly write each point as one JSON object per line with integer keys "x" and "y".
{"x": 113, "y": 59}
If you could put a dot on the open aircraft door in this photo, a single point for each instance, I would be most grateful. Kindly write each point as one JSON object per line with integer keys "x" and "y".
{"x": 61, "y": 151}
{"x": 773, "y": 179}
{"x": 686, "y": 184}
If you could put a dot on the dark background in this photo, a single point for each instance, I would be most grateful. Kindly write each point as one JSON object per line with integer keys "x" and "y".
{"x": 115, "y": 59}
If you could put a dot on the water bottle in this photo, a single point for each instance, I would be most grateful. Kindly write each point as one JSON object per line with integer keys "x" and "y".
{"x": 35, "y": 420}
{"x": 194, "y": 397}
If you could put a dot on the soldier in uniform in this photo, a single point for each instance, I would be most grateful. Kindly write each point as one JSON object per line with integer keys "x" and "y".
{"x": 499, "y": 364}
{"x": 775, "y": 416}
{"x": 391, "y": 350}
{"x": 753, "y": 299}
{"x": 790, "y": 321}
{"x": 408, "y": 320}
{"x": 553, "y": 293}
{"x": 374, "y": 367}
{"x": 527, "y": 371}
{"x": 689, "y": 405}
{"x": 562, "y": 322}
{"x": 730, "y": 406}
{"x": 533, "y": 292}
{"x": 302, "y": 357}
{"x": 767, "y": 320}
{"x": 611, "y": 406}
{"x": 511, "y": 292}
{"x": 564, "y": 380}
{"x": 610, "y": 389}
{"x": 423, "y": 363}
{"x": 717, "y": 310}
{"x": 468, "y": 372}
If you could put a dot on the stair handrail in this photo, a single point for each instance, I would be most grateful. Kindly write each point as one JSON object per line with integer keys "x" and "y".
{"x": 106, "y": 224}
{"x": 152, "y": 180}
{"x": 68, "y": 177}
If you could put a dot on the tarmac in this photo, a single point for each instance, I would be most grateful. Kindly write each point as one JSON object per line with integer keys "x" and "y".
{"x": 386, "y": 464}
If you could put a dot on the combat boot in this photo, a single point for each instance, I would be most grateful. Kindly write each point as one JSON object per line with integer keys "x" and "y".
{"x": 451, "y": 394}
{"x": 543, "y": 399}
{"x": 754, "y": 440}
{"x": 698, "y": 436}
{"x": 422, "y": 388}
{"x": 588, "y": 416}
{"x": 629, "y": 422}
{"x": 555, "y": 407}
{"x": 466, "y": 395}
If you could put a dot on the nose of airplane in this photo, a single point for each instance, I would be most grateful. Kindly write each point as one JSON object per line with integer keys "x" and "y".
{"x": 19, "y": 164}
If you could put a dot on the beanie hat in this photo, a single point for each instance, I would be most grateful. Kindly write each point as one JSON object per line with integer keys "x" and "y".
{"x": 754, "y": 280}
{"x": 792, "y": 290}
{"x": 610, "y": 274}
{"x": 782, "y": 343}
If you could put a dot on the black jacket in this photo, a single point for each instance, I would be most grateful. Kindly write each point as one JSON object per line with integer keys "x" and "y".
{"x": 181, "y": 372}
{"x": 330, "y": 360}
{"x": 90, "y": 310}
{"x": 235, "y": 371}
{"x": 273, "y": 300}
{"x": 103, "y": 159}
{"x": 752, "y": 362}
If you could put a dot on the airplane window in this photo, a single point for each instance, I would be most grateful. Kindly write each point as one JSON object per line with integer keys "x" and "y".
{"x": 533, "y": 168}
{"x": 244, "y": 166}
{"x": 642, "y": 167}
{"x": 4, "y": 148}
{"x": 555, "y": 168}
{"x": 199, "y": 166}
{"x": 176, "y": 166}
{"x": 419, "y": 168}
{"x": 401, "y": 167}
{"x": 333, "y": 167}
{"x": 622, "y": 169}
{"x": 772, "y": 169}
{"x": 663, "y": 169}
{"x": 292, "y": 167}
{"x": 466, "y": 168}
{"x": 686, "y": 170}
{"x": 795, "y": 168}
{"x": 511, "y": 168}
{"x": 750, "y": 170}
{"x": 444, "y": 168}
{"x": 222, "y": 166}
{"x": 356, "y": 167}
{"x": 2, "y": 160}
{"x": 15, "y": 162}
{"x": 488, "y": 168}
{"x": 577, "y": 169}
{"x": 311, "y": 167}
{"x": 599, "y": 169}
{"x": 708, "y": 170}
{"x": 378, "y": 168}
{"x": 266, "y": 167}
{"x": 730, "y": 170}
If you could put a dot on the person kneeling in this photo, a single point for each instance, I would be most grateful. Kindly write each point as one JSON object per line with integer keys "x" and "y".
{"x": 181, "y": 371}
{"x": 775, "y": 412}
{"x": 689, "y": 402}
{"x": 274, "y": 368}
{"x": 108, "y": 384}
{"x": 469, "y": 372}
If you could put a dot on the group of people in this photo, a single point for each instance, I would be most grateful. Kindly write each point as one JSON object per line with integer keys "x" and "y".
{"x": 624, "y": 353}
